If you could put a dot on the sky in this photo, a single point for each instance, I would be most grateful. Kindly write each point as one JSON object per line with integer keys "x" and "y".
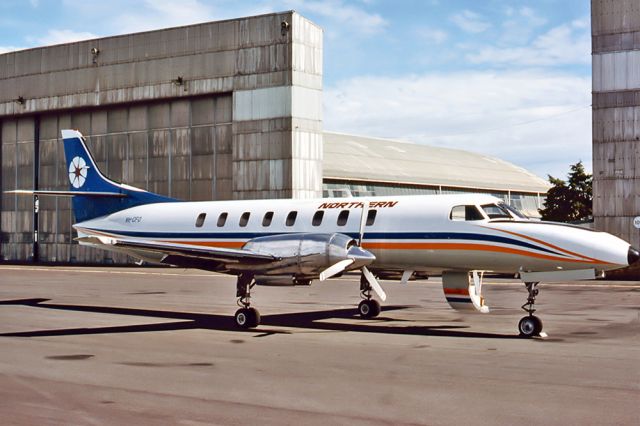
{"x": 510, "y": 79}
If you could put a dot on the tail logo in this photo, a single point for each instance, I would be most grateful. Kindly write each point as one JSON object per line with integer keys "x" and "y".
{"x": 77, "y": 172}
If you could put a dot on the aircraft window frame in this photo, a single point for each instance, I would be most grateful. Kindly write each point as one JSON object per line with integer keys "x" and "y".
{"x": 244, "y": 219}
{"x": 222, "y": 219}
{"x": 267, "y": 219}
{"x": 200, "y": 220}
{"x": 343, "y": 218}
{"x": 317, "y": 218}
{"x": 371, "y": 217}
{"x": 471, "y": 213}
{"x": 291, "y": 218}
{"x": 505, "y": 213}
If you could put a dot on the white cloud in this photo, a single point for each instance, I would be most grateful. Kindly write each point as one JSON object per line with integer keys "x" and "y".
{"x": 520, "y": 25}
{"x": 157, "y": 14}
{"x": 432, "y": 35}
{"x": 565, "y": 44}
{"x": 470, "y": 22}
{"x": 535, "y": 119}
{"x": 7, "y": 49}
{"x": 340, "y": 12}
{"x": 62, "y": 36}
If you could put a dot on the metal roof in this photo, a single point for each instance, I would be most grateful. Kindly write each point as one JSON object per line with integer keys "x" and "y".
{"x": 361, "y": 158}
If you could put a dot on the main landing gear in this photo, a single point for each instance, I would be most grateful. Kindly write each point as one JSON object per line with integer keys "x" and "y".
{"x": 246, "y": 316}
{"x": 368, "y": 308}
{"x": 531, "y": 325}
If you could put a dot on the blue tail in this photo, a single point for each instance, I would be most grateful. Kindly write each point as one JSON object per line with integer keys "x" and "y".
{"x": 98, "y": 195}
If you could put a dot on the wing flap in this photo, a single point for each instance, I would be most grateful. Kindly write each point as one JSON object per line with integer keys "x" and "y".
{"x": 219, "y": 255}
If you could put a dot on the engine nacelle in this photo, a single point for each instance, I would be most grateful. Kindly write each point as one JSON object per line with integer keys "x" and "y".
{"x": 306, "y": 255}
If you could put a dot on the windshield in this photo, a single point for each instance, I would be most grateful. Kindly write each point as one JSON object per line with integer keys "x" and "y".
{"x": 496, "y": 211}
{"x": 515, "y": 211}
{"x": 502, "y": 211}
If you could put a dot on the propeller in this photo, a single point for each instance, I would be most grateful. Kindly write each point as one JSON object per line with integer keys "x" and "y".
{"x": 336, "y": 268}
{"x": 357, "y": 253}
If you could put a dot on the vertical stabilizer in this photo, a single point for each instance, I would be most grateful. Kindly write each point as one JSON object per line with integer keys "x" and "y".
{"x": 85, "y": 178}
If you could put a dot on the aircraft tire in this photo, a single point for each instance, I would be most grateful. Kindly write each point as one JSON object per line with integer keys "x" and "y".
{"x": 254, "y": 316}
{"x": 538, "y": 325}
{"x": 247, "y": 318}
{"x": 530, "y": 326}
{"x": 369, "y": 308}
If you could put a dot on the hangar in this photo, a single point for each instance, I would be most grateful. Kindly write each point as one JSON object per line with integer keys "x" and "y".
{"x": 220, "y": 110}
{"x": 365, "y": 166}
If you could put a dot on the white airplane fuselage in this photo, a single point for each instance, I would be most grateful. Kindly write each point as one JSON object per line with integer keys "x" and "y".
{"x": 409, "y": 232}
{"x": 458, "y": 236}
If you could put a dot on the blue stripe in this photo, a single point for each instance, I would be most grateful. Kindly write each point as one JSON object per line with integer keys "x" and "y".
{"x": 367, "y": 236}
{"x": 458, "y": 300}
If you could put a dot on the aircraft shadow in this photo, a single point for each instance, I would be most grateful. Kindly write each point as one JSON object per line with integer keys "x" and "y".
{"x": 302, "y": 320}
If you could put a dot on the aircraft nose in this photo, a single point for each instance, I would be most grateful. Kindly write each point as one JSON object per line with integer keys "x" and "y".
{"x": 633, "y": 256}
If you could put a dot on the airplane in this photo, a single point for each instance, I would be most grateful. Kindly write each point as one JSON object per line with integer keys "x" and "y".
{"x": 460, "y": 237}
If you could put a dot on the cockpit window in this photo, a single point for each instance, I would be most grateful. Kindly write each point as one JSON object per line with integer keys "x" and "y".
{"x": 496, "y": 211}
{"x": 470, "y": 212}
{"x": 515, "y": 211}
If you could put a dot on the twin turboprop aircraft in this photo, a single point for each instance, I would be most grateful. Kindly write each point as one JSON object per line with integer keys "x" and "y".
{"x": 457, "y": 236}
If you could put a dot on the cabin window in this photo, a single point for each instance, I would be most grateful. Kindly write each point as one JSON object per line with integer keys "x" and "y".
{"x": 495, "y": 211}
{"x": 244, "y": 219}
{"x": 343, "y": 217}
{"x": 200, "y": 220}
{"x": 266, "y": 220}
{"x": 222, "y": 219}
{"x": 461, "y": 213}
{"x": 317, "y": 218}
{"x": 371, "y": 217}
{"x": 291, "y": 218}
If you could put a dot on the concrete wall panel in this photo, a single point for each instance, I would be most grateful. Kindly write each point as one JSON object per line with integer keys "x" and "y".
{"x": 616, "y": 71}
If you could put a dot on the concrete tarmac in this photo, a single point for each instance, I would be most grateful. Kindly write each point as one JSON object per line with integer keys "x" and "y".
{"x": 89, "y": 346}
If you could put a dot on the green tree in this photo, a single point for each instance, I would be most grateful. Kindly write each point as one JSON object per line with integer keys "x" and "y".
{"x": 569, "y": 201}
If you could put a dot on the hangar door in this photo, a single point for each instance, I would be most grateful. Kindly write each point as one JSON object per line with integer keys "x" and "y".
{"x": 180, "y": 148}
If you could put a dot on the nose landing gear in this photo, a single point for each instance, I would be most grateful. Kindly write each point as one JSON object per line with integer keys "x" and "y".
{"x": 246, "y": 316}
{"x": 369, "y": 307}
{"x": 531, "y": 325}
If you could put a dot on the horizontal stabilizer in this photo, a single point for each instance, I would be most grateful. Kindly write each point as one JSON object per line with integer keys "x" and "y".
{"x": 65, "y": 193}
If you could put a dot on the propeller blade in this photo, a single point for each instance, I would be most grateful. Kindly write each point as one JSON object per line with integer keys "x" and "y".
{"x": 336, "y": 268}
{"x": 375, "y": 286}
{"x": 406, "y": 276}
{"x": 363, "y": 220}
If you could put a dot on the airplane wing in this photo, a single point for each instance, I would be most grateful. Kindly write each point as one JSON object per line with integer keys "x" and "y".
{"x": 215, "y": 258}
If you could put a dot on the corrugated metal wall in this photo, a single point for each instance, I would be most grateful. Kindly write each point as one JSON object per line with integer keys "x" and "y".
{"x": 616, "y": 116}
{"x": 181, "y": 148}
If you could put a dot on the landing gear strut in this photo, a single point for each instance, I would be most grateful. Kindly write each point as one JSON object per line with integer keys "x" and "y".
{"x": 368, "y": 308}
{"x": 246, "y": 316}
{"x": 530, "y": 325}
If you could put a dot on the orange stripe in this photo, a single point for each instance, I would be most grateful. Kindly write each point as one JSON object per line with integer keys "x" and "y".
{"x": 223, "y": 244}
{"x": 473, "y": 247}
{"x": 546, "y": 244}
{"x": 461, "y": 291}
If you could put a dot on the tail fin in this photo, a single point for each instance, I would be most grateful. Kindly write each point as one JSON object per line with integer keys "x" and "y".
{"x": 94, "y": 194}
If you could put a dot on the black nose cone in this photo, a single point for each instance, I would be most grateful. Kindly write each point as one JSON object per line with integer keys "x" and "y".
{"x": 633, "y": 256}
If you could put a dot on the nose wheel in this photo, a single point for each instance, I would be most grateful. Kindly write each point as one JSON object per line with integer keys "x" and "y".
{"x": 531, "y": 325}
{"x": 368, "y": 307}
{"x": 246, "y": 316}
